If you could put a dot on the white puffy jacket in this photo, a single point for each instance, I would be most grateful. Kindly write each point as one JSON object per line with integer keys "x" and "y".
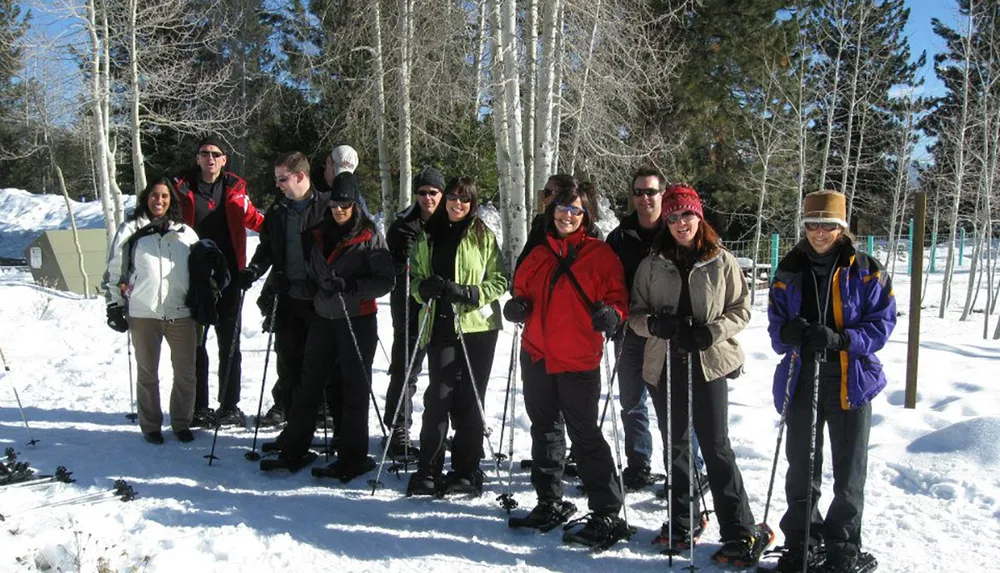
{"x": 158, "y": 283}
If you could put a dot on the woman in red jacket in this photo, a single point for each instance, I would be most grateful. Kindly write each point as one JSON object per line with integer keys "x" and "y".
{"x": 570, "y": 293}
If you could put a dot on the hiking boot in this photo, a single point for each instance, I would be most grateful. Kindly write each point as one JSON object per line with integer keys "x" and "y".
{"x": 423, "y": 483}
{"x": 639, "y": 477}
{"x": 400, "y": 445}
{"x": 203, "y": 417}
{"x": 154, "y": 437}
{"x": 273, "y": 418}
{"x": 745, "y": 551}
{"x": 546, "y": 516}
{"x": 346, "y": 470}
{"x": 790, "y": 559}
{"x": 681, "y": 535}
{"x": 184, "y": 436}
{"x": 600, "y": 531}
{"x": 462, "y": 482}
{"x": 292, "y": 464}
{"x": 230, "y": 416}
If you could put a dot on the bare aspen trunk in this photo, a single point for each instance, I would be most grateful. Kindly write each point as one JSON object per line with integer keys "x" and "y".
{"x": 480, "y": 56}
{"x": 517, "y": 235}
{"x": 116, "y": 192}
{"x": 501, "y": 132}
{"x": 543, "y": 103}
{"x": 831, "y": 106}
{"x": 72, "y": 225}
{"x": 104, "y": 186}
{"x": 385, "y": 177}
{"x": 575, "y": 148}
{"x": 851, "y": 191}
{"x": 530, "y": 95}
{"x": 982, "y": 211}
{"x": 901, "y": 184}
{"x": 405, "y": 37}
{"x": 851, "y": 105}
{"x": 138, "y": 160}
{"x": 557, "y": 98}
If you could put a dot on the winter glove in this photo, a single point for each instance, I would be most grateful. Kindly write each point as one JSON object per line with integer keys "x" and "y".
{"x": 431, "y": 287}
{"x": 517, "y": 309}
{"x": 663, "y": 324}
{"x": 794, "y": 332}
{"x": 605, "y": 319}
{"x": 340, "y": 285}
{"x": 462, "y": 294}
{"x": 819, "y": 337}
{"x": 693, "y": 337}
{"x": 265, "y": 325}
{"x": 248, "y": 276}
{"x": 116, "y": 318}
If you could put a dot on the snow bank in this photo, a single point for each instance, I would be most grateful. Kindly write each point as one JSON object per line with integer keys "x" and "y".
{"x": 978, "y": 438}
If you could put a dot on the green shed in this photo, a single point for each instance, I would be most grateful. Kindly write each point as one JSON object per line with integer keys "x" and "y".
{"x": 54, "y": 262}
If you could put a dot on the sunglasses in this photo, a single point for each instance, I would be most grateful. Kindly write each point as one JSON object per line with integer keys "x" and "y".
{"x": 462, "y": 198}
{"x": 637, "y": 192}
{"x": 674, "y": 218}
{"x": 431, "y": 193}
{"x": 213, "y": 154}
{"x": 828, "y": 227}
{"x": 571, "y": 209}
{"x": 342, "y": 205}
{"x": 284, "y": 178}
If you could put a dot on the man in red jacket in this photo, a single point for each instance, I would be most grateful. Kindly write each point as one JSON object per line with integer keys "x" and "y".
{"x": 214, "y": 201}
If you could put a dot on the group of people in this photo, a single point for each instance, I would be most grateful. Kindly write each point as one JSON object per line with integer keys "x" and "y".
{"x": 662, "y": 288}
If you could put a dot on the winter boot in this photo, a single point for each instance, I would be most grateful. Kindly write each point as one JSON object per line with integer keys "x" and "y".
{"x": 745, "y": 551}
{"x": 423, "y": 482}
{"x": 154, "y": 437}
{"x": 790, "y": 559}
{"x": 203, "y": 418}
{"x": 457, "y": 483}
{"x": 285, "y": 463}
{"x": 346, "y": 470}
{"x": 600, "y": 531}
{"x": 401, "y": 449}
{"x": 639, "y": 476}
{"x": 681, "y": 535}
{"x": 847, "y": 560}
{"x": 231, "y": 416}
{"x": 274, "y": 417}
{"x": 270, "y": 447}
{"x": 546, "y": 516}
{"x": 185, "y": 436}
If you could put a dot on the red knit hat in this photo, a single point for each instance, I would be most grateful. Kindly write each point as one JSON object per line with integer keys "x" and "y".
{"x": 680, "y": 197}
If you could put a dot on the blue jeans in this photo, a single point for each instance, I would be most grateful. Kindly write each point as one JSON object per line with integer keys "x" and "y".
{"x": 632, "y": 397}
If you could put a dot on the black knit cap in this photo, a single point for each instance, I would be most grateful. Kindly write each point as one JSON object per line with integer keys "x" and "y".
{"x": 213, "y": 140}
{"x": 431, "y": 177}
{"x": 345, "y": 187}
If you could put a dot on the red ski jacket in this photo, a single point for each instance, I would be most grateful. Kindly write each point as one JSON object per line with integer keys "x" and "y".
{"x": 559, "y": 328}
{"x": 240, "y": 212}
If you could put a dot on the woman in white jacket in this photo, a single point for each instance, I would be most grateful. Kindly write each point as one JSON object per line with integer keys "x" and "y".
{"x": 147, "y": 276}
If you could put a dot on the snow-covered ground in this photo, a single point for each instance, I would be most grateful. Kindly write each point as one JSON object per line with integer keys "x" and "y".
{"x": 933, "y": 493}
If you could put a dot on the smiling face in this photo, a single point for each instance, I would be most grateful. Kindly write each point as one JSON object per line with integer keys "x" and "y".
{"x": 568, "y": 218}
{"x": 158, "y": 201}
{"x": 646, "y": 205}
{"x": 823, "y": 236}
{"x": 293, "y": 184}
{"x": 428, "y": 198}
{"x": 683, "y": 226}
{"x": 458, "y": 208}
{"x": 211, "y": 161}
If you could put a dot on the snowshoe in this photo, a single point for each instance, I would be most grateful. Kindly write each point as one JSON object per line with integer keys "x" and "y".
{"x": 185, "y": 436}
{"x": 865, "y": 563}
{"x": 154, "y": 437}
{"x": 681, "y": 539}
{"x": 456, "y": 483}
{"x": 274, "y": 418}
{"x": 230, "y": 416}
{"x": 344, "y": 470}
{"x": 423, "y": 483}
{"x": 640, "y": 477}
{"x": 270, "y": 447}
{"x": 401, "y": 449}
{"x": 790, "y": 559}
{"x": 599, "y": 532}
{"x": 746, "y": 551}
{"x": 283, "y": 463}
{"x": 546, "y": 516}
{"x": 203, "y": 418}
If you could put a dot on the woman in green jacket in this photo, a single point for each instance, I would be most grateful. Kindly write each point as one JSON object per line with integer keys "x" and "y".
{"x": 458, "y": 276}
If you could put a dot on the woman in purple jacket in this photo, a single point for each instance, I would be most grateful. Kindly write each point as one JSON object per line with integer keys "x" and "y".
{"x": 831, "y": 308}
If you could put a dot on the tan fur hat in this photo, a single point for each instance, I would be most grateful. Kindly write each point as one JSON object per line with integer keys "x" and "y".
{"x": 825, "y": 207}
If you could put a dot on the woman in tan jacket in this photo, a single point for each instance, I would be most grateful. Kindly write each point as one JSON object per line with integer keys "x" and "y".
{"x": 689, "y": 298}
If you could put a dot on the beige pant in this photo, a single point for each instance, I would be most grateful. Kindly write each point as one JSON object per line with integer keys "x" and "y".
{"x": 147, "y": 337}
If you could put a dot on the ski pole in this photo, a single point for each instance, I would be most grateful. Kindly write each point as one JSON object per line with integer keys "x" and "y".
{"x": 121, "y": 490}
{"x": 361, "y": 359}
{"x": 506, "y": 397}
{"x": 375, "y": 483}
{"x": 252, "y": 455}
{"x": 326, "y": 432}
{"x": 384, "y": 353}
{"x": 812, "y": 458}
{"x": 781, "y": 431}
{"x": 506, "y": 499}
{"x": 31, "y": 439}
{"x": 618, "y": 357}
{"x": 614, "y": 431}
{"x": 131, "y": 416}
{"x": 671, "y": 551}
{"x": 475, "y": 390}
{"x": 229, "y": 366}
{"x": 691, "y": 470}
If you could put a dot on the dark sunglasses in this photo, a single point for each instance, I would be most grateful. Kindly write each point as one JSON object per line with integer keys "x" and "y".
{"x": 342, "y": 205}
{"x": 674, "y": 218}
{"x": 462, "y": 198}
{"x": 284, "y": 178}
{"x": 828, "y": 227}
{"x": 571, "y": 209}
{"x": 637, "y": 192}
{"x": 431, "y": 193}
{"x": 215, "y": 154}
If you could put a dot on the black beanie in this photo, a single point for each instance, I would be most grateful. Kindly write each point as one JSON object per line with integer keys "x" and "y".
{"x": 213, "y": 140}
{"x": 345, "y": 187}
{"x": 429, "y": 176}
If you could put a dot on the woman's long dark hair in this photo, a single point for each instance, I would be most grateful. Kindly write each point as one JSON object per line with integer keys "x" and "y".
{"x": 173, "y": 213}
{"x": 568, "y": 192}
{"x": 704, "y": 246}
{"x": 465, "y": 186}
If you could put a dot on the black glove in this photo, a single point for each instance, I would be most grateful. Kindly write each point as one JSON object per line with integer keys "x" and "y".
{"x": 431, "y": 287}
{"x": 462, "y": 294}
{"x": 266, "y": 325}
{"x": 794, "y": 332}
{"x": 663, "y": 324}
{"x": 517, "y": 309}
{"x": 248, "y": 276}
{"x": 819, "y": 337}
{"x": 605, "y": 319}
{"x": 339, "y": 284}
{"x": 693, "y": 337}
{"x": 116, "y": 318}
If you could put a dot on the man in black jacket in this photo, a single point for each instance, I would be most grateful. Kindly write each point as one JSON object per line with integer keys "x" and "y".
{"x": 285, "y": 244}
{"x": 428, "y": 187}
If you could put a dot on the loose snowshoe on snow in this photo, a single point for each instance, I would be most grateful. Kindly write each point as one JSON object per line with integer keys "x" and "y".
{"x": 790, "y": 559}
{"x": 681, "y": 539}
{"x": 284, "y": 463}
{"x": 456, "y": 483}
{"x": 746, "y": 551}
{"x": 599, "y": 531}
{"x": 546, "y": 516}
{"x": 344, "y": 470}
